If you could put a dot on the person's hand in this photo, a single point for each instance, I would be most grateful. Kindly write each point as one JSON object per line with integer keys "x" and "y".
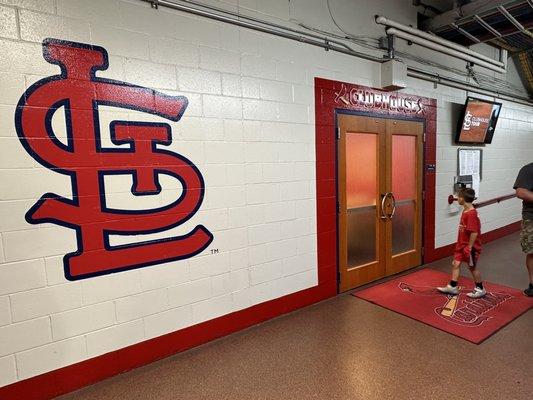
{"x": 467, "y": 251}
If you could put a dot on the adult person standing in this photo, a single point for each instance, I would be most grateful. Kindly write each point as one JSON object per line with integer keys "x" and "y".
{"x": 524, "y": 191}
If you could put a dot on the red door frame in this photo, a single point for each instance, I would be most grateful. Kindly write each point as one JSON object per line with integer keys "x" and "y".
{"x": 333, "y": 97}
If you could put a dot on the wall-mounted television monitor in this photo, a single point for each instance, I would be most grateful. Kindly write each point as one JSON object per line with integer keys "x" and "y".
{"x": 478, "y": 121}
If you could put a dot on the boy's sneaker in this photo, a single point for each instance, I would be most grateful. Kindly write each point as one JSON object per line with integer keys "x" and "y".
{"x": 449, "y": 289}
{"x": 477, "y": 293}
{"x": 529, "y": 292}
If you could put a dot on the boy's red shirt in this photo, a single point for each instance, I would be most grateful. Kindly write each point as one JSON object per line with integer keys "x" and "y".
{"x": 469, "y": 224}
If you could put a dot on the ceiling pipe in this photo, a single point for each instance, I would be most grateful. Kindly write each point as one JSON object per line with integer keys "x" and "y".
{"x": 259, "y": 21}
{"x": 411, "y": 71}
{"x": 438, "y": 40}
{"x": 443, "y": 49}
{"x": 299, "y": 36}
{"x": 503, "y": 56}
{"x": 482, "y": 22}
{"x": 461, "y": 13}
{"x": 465, "y": 33}
{"x": 513, "y": 21}
{"x": 450, "y": 82}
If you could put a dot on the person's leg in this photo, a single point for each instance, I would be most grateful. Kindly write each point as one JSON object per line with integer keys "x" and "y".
{"x": 526, "y": 241}
{"x": 479, "y": 290}
{"x": 475, "y": 274}
{"x": 472, "y": 266}
{"x": 451, "y": 288}
{"x": 529, "y": 263}
{"x": 456, "y": 268}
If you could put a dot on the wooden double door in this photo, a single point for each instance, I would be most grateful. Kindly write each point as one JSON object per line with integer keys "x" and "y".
{"x": 380, "y": 197}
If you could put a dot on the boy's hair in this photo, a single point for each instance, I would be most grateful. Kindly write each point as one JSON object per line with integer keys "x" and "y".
{"x": 468, "y": 194}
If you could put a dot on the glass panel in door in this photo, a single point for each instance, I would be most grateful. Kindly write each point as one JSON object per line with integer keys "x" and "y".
{"x": 361, "y": 189}
{"x": 404, "y": 189}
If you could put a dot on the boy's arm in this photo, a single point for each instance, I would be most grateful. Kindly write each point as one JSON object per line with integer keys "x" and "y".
{"x": 468, "y": 249}
{"x": 473, "y": 237}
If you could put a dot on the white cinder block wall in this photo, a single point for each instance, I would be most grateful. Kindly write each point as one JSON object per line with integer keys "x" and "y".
{"x": 250, "y": 130}
{"x": 511, "y": 148}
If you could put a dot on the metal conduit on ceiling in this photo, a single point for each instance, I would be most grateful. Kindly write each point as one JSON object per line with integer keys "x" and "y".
{"x": 328, "y": 44}
{"x": 502, "y": 24}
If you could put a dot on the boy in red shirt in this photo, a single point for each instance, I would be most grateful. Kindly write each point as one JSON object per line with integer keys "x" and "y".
{"x": 468, "y": 246}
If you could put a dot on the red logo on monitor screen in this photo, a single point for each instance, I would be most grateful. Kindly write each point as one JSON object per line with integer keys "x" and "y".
{"x": 476, "y": 121}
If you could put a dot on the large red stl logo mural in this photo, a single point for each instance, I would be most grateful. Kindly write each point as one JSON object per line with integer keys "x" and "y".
{"x": 86, "y": 162}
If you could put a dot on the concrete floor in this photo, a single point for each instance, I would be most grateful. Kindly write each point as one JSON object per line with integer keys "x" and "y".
{"x": 346, "y": 348}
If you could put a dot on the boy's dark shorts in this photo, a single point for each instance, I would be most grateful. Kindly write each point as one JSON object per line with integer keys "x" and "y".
{"x": 459, "y": 255}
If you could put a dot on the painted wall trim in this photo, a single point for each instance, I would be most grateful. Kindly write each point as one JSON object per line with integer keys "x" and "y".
{"x": 88, "y": 372}
{"x": 79, "y": 375}
{"x": 490, "y": 236}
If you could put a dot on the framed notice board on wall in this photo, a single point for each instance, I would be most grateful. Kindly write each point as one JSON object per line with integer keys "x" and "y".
{"x": 470, "y": 162}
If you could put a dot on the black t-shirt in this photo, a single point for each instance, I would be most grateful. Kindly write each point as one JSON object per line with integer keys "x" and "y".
{"x": 524, "y": 180}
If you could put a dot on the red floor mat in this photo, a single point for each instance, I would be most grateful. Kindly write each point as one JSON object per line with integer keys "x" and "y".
{"x": 415, "y": 296}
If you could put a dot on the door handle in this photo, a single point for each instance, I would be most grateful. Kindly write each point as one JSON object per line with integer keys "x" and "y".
{"x": 393, "y": 205}
{"x": 383, "y": 198}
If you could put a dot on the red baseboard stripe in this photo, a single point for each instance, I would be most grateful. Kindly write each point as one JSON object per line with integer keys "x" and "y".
{"x": 439, "y": 253}
{"x": 501, "y": 232}
{"x": 76, "y": 376}
{"x": 487, "y": 237}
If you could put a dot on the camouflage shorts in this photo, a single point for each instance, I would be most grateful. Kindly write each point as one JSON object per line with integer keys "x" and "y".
{"x": 526, "y": 236}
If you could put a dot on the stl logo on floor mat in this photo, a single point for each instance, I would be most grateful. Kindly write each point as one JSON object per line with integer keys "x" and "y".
{"x": 86, "y": 162}
{"x": 460, "y": 309}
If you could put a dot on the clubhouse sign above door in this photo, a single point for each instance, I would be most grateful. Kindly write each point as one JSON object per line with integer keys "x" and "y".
{"x": 371, "y": 99}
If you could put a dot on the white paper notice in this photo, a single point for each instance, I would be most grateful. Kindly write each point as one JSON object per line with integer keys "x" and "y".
{"x": 469, "y": 162}
{"x": 475, "y": 184}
